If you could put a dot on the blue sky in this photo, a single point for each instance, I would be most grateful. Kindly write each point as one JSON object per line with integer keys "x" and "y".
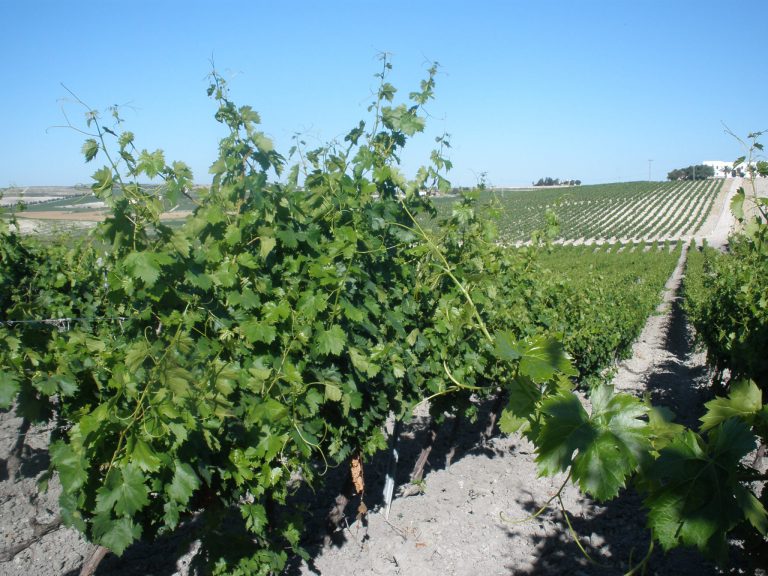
{"x": 587, "y": 89}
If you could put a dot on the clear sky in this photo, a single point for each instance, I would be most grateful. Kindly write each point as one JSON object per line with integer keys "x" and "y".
{"x": 586, "y": 89}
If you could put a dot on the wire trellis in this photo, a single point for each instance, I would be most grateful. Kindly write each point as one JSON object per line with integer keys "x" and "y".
{"x": 63, "y": 324}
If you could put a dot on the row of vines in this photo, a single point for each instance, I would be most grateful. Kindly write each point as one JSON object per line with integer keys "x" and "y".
{"x": 213, "y": 368}
{"x": 726, "y": 299}
{"x": 624, "y": 212}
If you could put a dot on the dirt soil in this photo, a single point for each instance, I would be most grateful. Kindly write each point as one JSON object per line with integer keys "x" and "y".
{"x": 472, "y": 518}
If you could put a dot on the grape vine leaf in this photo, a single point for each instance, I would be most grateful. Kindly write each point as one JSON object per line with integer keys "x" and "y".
{"x": 524, "y": 395}
{"x": 662, "y": 427}
{"x": 256, "y": 331}
{"x": 363, "y": 362}
{"x": 255, "y": 517}
{"x": 505, "y": 346}
{"x": 694, "y": 496}
{"x": 543, "y": 357}
{"x": 144, "y": 265}
{"x": 144, "y": 457}
{"x": 116, "y": 535}
{"x": 72, "y": 467}
{"x": 151, "y": 163}
{"x": 103, "y": 181}
{"x": 124, "y": 490}
{"x": 333, "y": 392}
{"x": 609, "y": 443}
{"x": 9, "y": 388}
{"x": 90, "y": 149}
{"x": 737, "y": 205}
{"x": 602, "y": 467}
{"x": 744, "y": 400}
{"x": 565, "y": 430}
{"x": 184, "y": 482}
{"x": 331, "y": 341}
{"x": 266, "y": 246}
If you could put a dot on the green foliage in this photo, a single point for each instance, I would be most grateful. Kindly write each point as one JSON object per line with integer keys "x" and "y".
{"x": 212, "y": 367}
{"x": 698, "y": 172}
{"x": 608, "y": 444}
{"x": 695, "y": 496}
{"x": 727, "y": 303}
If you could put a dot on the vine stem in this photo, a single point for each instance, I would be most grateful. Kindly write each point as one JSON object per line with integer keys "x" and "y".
{"x": 541, "y": 510}
{"x": 572, "y": 531}
{"x": 642, "y": 564}
{"x": 455, "y": 388}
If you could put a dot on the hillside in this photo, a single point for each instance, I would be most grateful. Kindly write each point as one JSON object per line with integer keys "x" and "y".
{"x": 628, "y": 212}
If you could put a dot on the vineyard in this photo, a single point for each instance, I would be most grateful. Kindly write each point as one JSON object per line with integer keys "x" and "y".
{"x": 268, "y": 355}
{"x": 625, "y": 213}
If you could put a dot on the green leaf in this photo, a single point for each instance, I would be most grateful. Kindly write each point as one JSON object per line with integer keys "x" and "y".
{"x": 752, "y": 508}
{"x": 90, "y": 149}
{"x": 608, "y": 445}
{"x": 363, "y": 363}
{"x": 70, "y": 513}
{"x": 694, "y": 494}
{"x": 744, "y": 400}
{"x": 332, "y": 393}
{"x": 144, "y": 457}
{"x": 737, "y": 205}
{"x": 269, "y": 411}
{"x": 72, "y": 468}
{"x": 125, "y": 139}
{"x": 524, "y": 396}
{"x": 255, "y": 517}
{"x": 151, "y": 164}
{"x": 661, "y": 426}
{"x": 184, "y": 482}
{"x": 233, "y": 235}
{"x": 9, "y": 388}
{"x": 331, "y": 341}
{"x": 602, "y": 466}
{"x": 103, "y": 182}
{"x": 116, "y": 535}
{"x": 387, "y": 92}
{"x": 402, "y": 119}
{"x": 180, "y": 243}
{"x": 505, "y": 346}
{"x": 266, "y": 246}
{"x": 542, "y": 358}
{"x": 145, "y": 265}
{"x": 566, "y": 429}
{"x": 510, "y": 424}
{"x": 256, "y": 331}
{"x": 124, "y": 490}
{"x": 176, "y": 379}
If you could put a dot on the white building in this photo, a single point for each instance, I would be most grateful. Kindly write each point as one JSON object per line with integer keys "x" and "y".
{"x": 725, "y": 169}
{"x": 722, "y": 169}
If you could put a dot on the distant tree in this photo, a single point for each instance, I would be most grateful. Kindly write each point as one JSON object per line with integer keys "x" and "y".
{"x": 698, "y": 172}
{"x": 548, "y": 182}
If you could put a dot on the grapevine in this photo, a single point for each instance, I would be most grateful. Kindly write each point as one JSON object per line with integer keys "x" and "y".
{"x": 221, "y": 364}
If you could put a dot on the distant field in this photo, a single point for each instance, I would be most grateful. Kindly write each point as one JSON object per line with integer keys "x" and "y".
{"x": 50, "y": 210}
{"x": 607, "y": 213}
{"x": 615, "y": 213}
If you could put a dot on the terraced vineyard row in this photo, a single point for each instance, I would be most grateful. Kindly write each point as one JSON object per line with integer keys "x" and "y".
{"x": 623, "y": 212}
